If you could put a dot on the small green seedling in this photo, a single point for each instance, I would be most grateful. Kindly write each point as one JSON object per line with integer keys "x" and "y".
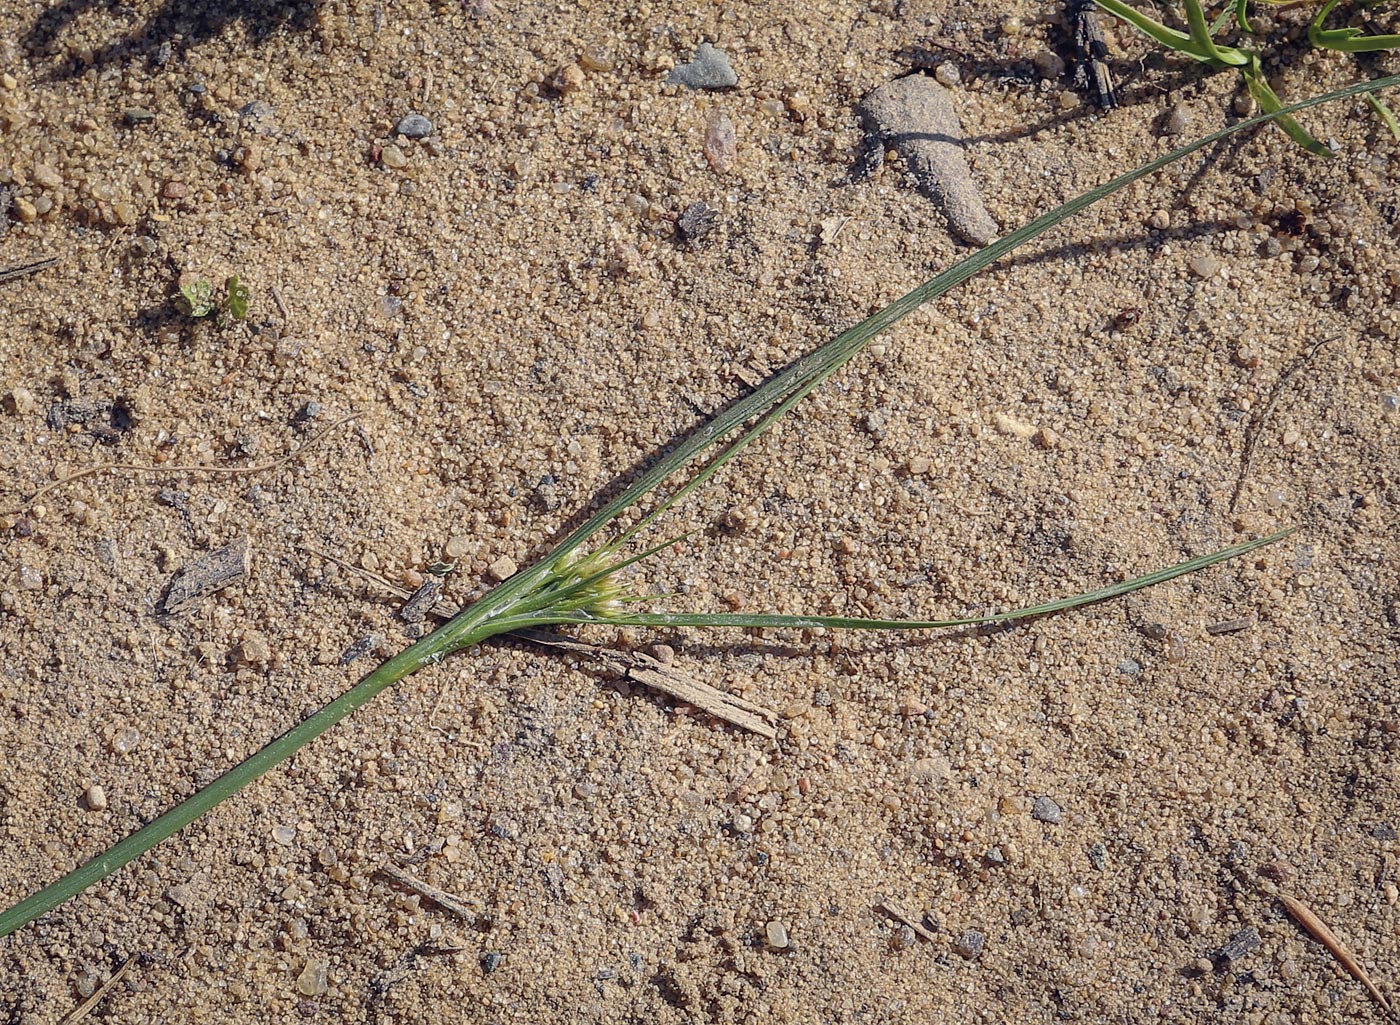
{"x": 1199, "y": 43}
{"x": 581, "y": 581}
{"x": 198, "y": 300}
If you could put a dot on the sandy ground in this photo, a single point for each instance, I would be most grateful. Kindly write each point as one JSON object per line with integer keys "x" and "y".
{"x": 514, "y": 321}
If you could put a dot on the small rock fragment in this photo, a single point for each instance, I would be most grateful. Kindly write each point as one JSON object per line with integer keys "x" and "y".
{"x": 721, "y": 144}
{"x": 414, "y": 126}
{"x": 1015, "y": 428}
{"x": 709, "y": 69}
{"x": 568, "y": 79}
{"x": 1204, "y": 266}
{"x": 1046, "y": 810}
{"x": 697, "y": 221}
{"x": 776, "y": 934}
{"x": 312, "y": 981}
{"x": 502, "y": 569}
{"x": 392, "y": 157}
{"x": 490, "y": 961}
{"x": 948, "y": 75}
{"x": 24, "y": 210}
{"x": 1049, "y": 65}
{"x": 970, "y": 944}
{"x": 95, "y": 797}
{"x": 1178, "y": 120}
{"x": 915, "y": 115}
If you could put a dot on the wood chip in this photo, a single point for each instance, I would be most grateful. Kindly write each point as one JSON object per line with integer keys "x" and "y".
{"x": 642, "y": 668}
{"x": 1320, "y": 931}
{"x": 902, "y": 914}
{"x": 203, "y": 577}
{"x": 1231, "y": 626}
{"x": 428, "y": 891}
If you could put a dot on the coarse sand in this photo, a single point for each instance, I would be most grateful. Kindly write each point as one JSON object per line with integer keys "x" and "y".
{"x": 1083, "y": 815}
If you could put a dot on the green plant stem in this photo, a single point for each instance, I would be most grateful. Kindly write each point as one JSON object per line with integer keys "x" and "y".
{"x": 476, "y": 626}
{"x": 506, "y": 607}
{"x": 1347, "y": 39}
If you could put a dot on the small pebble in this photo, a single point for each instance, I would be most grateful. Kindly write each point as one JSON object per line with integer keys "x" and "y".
{"x": 138, "y": 115}
{"x": 709, "y": 69}
{"x": 502, "y": 569}
{"x": 457, "y": 546}
{"x": 392, "y": 157}
{"x": 1049, "y": 65}
{"x": 777, "y": 935}
{"x": 1160, "y": 219}
{"x": 1046, "y": 810}
{"x": 490, "y": 961}
{"x": 948, "y": 75}
{"x": 721, "y": 144}
{"x": 568, "y": 79}
{"x": 970, "y": 944}
{"x": 9, "y": 81}
{"x": 24, "y": 210}
{"x": 95, "y": 797}
{"x": 414, "y": 126}
{"x": 1204, "y": 266}
{"x": 312, "y": 981}
{"x": 1177, "y": 120}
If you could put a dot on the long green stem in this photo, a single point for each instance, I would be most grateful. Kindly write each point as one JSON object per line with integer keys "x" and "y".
{"x": 507, "y": 607}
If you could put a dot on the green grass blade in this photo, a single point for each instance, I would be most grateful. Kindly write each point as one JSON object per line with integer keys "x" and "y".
{"x": 740, "y": 619}
{"x": 1258, "y": 85}
{"x": 1168, "y": 37}
{"x": 1384, "y": 113}
{"x": 1220, "y": 56}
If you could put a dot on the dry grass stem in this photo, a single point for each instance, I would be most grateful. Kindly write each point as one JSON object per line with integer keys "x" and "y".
{"x": 428, "y": 891}
{"x": 902, "y": 914}
{"x": 1320, "y": 931}
{"x": 81, "y": 1011}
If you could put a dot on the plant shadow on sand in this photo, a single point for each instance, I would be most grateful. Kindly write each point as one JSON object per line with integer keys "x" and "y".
{"x": 190, "y": 23}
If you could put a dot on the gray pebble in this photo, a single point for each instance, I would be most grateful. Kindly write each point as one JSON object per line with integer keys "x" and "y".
{"x": 1130, "y": 667}
{"x": 970, "y": 944}
{"x": 490, "y": 961}
{"x": 1046, "y": 810}
{"x": 415, "y": 126}
{"x": 709, "y": 69}
{"x": 915, "y": 115}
